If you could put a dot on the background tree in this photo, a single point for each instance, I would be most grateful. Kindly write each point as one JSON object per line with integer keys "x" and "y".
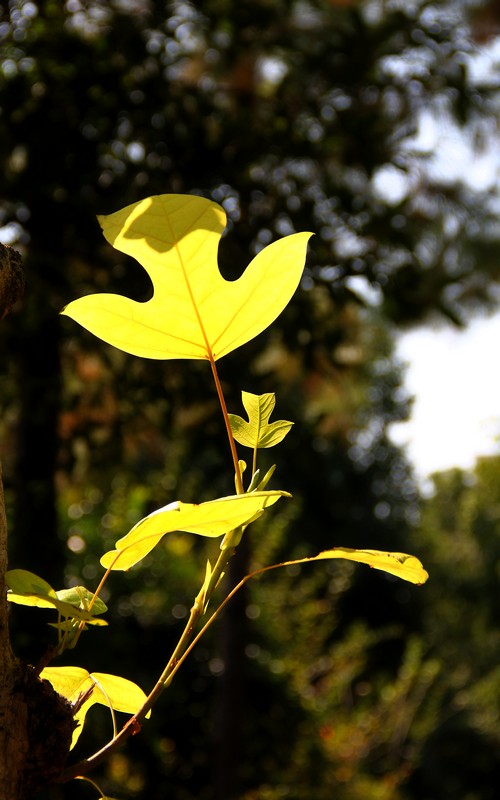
{"x": 460, "y": 539}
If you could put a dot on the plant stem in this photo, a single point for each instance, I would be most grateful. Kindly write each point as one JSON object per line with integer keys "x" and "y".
{"x": 133, "y": 725}
{"x": 92, "y": 783}
{"x": 232, "y": 445}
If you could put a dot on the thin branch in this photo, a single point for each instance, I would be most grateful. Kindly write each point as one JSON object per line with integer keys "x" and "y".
{"x": 232, "y": 445}
{"x": 133, "y": 725}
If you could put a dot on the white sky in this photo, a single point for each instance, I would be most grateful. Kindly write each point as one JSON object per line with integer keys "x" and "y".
{"x": 455, "y": 378}
{"x": 453, "y": 375}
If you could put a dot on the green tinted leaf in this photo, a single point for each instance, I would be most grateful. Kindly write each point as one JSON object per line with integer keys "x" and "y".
{"x": 80, "y": 597}
{"x": 21, "y": 581}
{"x": 27, "y": 589}
{"x": 98, "y": 623}
{"x": 258, "y": 431}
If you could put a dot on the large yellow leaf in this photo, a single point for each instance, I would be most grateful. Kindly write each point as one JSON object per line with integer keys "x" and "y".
{"x": 213, "y": 518}
{"x": 112, "y": 691}
{"x": 194, "y": 312}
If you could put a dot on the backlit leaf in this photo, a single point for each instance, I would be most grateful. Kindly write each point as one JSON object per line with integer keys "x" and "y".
{"x": 80, "y": 597}
{"x": 108, "y": 690}
{"x": 258, "y": 431}
{"x": 213, "y": 518}
{"x": 401, "y": 565}
{"x": 27, "y": 589}
{"x": 194, "y": 311}
{"x": 22, "y": 581}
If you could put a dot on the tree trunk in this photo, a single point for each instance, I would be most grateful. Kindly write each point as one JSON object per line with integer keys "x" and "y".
{"x": 8, "y": 710}
{"x": 36, "y": 724}
{"x": 38, "y": 386}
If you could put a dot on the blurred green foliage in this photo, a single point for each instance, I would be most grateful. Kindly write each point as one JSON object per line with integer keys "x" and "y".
{"x": 343, "y": 683}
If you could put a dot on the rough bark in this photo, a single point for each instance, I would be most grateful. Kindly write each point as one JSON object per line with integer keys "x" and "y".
{"x": 36, "y": 724}
{"x": 12, "y": 280}
{"x": 11, "y": 287}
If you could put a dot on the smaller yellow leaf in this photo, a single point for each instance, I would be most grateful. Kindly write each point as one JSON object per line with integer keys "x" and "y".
{"x": 124, "y": 695}
{"x": 401, "y": 565}
{"x": 213, "y": 518}
{"x": 68, "y": 681}
{"x": 72, "y": 683}
{"x": 108, "y": 690}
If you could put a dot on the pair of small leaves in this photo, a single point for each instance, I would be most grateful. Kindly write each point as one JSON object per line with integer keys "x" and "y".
{"x": 213, "y": 518}
{"x": 27, "y": 589}
{"x": 258, "y": 431}
{"x": 194, "y": 311}
{"x": 73, "y": 683}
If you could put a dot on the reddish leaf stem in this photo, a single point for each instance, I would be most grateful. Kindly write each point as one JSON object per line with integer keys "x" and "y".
{"x": 232, "y": 445}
